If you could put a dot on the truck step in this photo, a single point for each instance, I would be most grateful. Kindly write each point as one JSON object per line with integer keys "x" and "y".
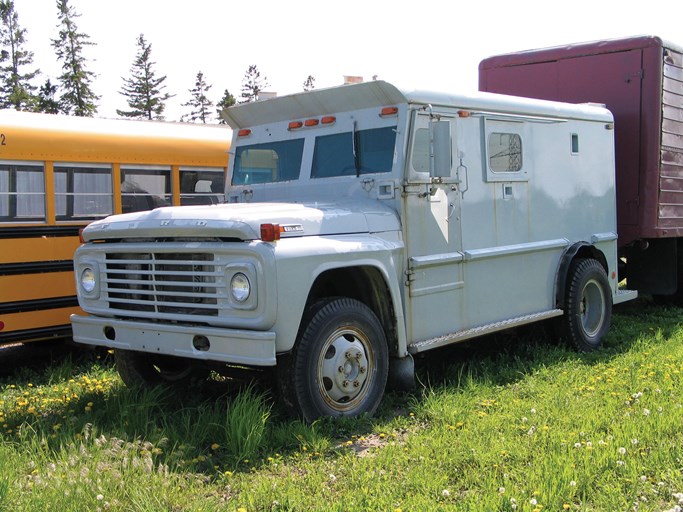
{"x": 447, "y": 339}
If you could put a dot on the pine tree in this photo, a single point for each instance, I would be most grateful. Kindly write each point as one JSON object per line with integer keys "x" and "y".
{"x": 16, "y": 90}
{"x": 309, "y": 84}
{"x": 78, "y": 97}
{"x": 46, "y": 100}
{"x": 228, "y": 100}
{"x": 252, "y": 84}
{"x": 200, "y": 104}
{"x": 143, "y": 89}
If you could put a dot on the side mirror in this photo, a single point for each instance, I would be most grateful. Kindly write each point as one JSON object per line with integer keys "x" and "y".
{"x": 440, "y": 159}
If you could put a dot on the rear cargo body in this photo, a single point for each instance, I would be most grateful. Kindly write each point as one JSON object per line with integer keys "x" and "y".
{"x": 640, "y": 79}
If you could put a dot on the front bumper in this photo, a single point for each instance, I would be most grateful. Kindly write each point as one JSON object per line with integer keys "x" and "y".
{"x": 254, "y": 348}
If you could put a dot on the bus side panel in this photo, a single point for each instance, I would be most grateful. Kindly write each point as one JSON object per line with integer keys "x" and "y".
{"x": 37, "y": 290}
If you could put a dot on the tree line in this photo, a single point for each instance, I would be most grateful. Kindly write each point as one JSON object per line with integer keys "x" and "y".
{"x": 143, "y": 90}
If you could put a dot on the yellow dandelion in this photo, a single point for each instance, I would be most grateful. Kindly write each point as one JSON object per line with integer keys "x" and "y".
{"x": 215, "y": 446}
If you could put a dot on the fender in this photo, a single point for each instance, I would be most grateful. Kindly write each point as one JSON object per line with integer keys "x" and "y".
{"x": 579, "y": 249}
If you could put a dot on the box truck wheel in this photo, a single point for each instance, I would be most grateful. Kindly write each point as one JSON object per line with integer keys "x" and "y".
{"x": 588, "y": 305}
{"x": 142, "y": 369}
{"x": 340, "y": 362}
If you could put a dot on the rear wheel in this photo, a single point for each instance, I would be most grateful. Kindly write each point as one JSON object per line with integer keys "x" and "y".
{"x": 588, "y": 305}
{"x": 340, "y": 363}
{"x": 143, "y": 369}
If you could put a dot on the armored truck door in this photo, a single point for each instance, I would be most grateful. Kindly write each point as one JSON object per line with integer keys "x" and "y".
{"x": 434, "y": 280}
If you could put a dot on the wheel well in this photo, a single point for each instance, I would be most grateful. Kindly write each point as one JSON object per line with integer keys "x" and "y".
{"x": 365, "y": 284}
{"x": 577, "y": 251}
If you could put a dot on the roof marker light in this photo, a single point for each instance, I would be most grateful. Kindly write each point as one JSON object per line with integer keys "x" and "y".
{"x": 270, "y": 232}
{"x": 464, "y": 113}
{"x": 244, "y": 132}
{"x": 388, "y": 111}
{"x": 328, "y": 120}
{"x": 311, "y": 122}
{"x": 294, "y": 125}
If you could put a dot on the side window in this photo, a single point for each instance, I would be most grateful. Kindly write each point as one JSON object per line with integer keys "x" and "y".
{"x": 334, "y": 154}
{"x": 144, "y": 188}
{"x": 420, "y": 157}
{"x": 82, "y": 192}
{"x": 505, "y": 152}
{"x": 201, "y": 186}
{"x": 22, "y": 192}
{"x": 506, "y": 143}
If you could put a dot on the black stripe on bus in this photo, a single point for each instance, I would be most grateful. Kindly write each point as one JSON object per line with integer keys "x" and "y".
{"x": 36, "y": 267}
{"x": 38, "y": 231}
{"x": 43, "y": 333}
{"x": 24, "y": 306}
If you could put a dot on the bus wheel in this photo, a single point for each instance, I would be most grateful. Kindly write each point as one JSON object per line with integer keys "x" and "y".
{"x": 340, "y": 362}
{"x": 588, "y": 305}
{"x": 142, "y": 369}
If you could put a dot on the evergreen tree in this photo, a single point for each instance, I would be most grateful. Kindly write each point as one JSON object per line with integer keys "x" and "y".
{"x": 143, "y": 89}
{"x": 228, "y": 100}
{"x": 200, "y": 104}
{"x": 78, "y": 97}
{"x": 309, "y": 84}
{"x": 252, "y": 84}
{"x": 16, "y": 90}
{"x": 46, "y": 101}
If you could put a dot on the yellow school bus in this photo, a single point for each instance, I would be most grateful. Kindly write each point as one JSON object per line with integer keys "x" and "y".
{"x": 57, "y": 173}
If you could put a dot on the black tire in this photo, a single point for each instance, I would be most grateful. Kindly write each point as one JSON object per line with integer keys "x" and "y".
{"x": 142, "y": 369}
{"x": 340, "y": 362}
{"x": 588, "y": 305}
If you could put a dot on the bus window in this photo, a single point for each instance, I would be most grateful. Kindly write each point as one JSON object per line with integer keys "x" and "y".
{"x": 22, "y": 192}
{"x": 82, "y": 192}
{"x": 145, "y": 189}
{"x": 201, "y": 186}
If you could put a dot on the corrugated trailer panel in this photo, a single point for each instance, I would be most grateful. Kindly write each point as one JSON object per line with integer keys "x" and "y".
{"x": 670, "y": 214}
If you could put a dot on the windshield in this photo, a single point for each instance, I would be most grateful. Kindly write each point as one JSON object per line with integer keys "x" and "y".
{"x": 372, "y": 151}
{"x": 269, "y": 162}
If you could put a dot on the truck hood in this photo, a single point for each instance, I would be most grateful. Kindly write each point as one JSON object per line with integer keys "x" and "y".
{"x": 243, "y": 220}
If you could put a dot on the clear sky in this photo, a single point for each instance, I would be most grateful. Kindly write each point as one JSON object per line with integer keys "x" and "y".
{"x": 412, "y": 43}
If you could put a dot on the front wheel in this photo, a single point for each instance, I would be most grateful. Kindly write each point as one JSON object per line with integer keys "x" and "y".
{"x": 142, "y": 369}
{"x": 340, "y": 363}
{"x": 588, "y": 305}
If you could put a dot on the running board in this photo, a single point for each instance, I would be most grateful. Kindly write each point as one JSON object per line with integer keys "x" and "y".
{"x": 439, "y": 341}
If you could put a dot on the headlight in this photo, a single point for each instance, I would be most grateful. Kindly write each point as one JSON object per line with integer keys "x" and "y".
{"x": 88, "y": 280}
{"x": 240, "y": 288}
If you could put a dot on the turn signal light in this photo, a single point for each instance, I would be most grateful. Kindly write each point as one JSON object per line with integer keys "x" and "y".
{"x": 270, "y": 232}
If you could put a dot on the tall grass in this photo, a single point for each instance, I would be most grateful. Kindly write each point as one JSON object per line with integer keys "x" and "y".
{"x": 512, "y": 422}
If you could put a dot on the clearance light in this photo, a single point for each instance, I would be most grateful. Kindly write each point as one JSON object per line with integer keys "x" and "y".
{"x": 464, "y": 113}
{"x": 328, "y": 120}
{"x": 388, "y": 111}
{"x": 311, "y": 122}
{"x": 244, "y": 132}
{"x": 2, "y": 325}
{"x": 295, "y": 125}
{"x": 270, "y": 232}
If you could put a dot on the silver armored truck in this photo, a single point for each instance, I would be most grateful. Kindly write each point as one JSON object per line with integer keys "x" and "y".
{"x": 363, "y": 224}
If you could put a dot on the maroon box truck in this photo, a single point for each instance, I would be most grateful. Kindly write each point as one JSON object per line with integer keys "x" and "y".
{"x": 640, "y": 79}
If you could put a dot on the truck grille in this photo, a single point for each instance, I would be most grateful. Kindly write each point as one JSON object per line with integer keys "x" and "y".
{"x": 177, "y": 283}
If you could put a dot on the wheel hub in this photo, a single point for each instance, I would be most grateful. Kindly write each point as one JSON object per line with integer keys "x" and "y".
{"x": 344, "y": 369}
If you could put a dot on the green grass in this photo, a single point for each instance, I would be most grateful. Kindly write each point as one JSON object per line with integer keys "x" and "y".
{"x": 512, "y": 422}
